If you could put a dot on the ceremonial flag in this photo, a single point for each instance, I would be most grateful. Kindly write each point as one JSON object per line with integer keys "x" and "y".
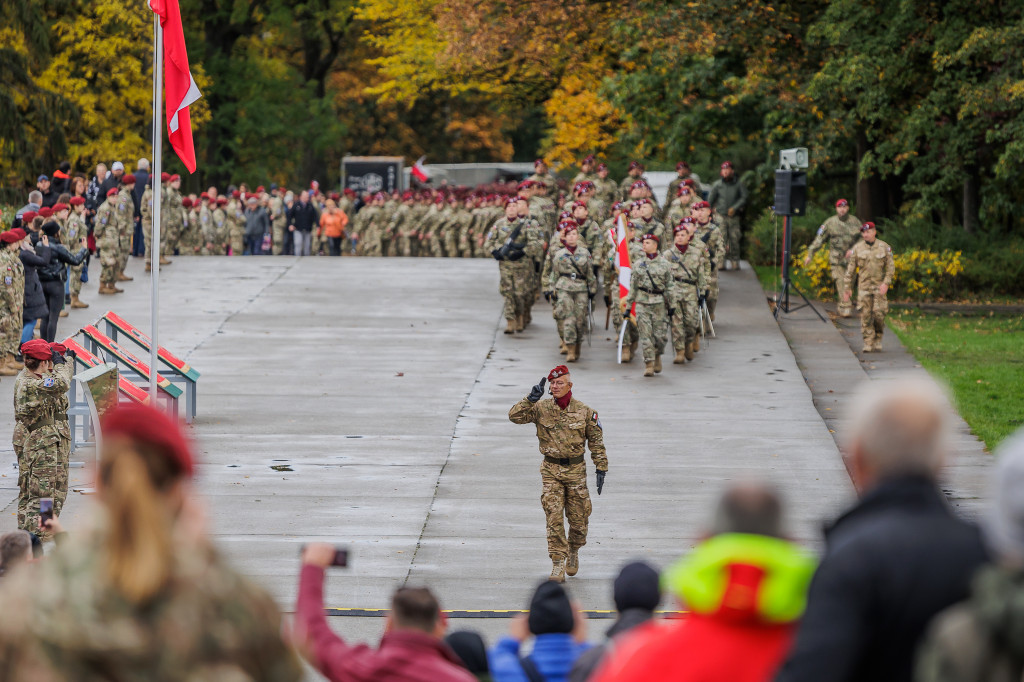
{"x": 418, "y": 171}
{"x": 622, "y": 258}
{"x": 180, "y": 88}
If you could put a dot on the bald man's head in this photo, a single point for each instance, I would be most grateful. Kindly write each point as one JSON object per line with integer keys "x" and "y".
{"x": 898, "y": 428}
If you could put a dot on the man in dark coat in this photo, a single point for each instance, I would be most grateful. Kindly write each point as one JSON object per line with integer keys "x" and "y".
{"x": 898, "y": 557}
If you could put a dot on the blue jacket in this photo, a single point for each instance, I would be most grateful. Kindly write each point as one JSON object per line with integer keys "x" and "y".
{"x": 553, "y": 654}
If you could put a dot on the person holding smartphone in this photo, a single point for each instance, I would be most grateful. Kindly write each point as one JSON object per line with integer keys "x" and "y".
{"x": 143, "y": 596}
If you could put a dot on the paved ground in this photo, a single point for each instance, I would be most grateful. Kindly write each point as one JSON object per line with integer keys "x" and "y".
{"x": 384, "y": 386}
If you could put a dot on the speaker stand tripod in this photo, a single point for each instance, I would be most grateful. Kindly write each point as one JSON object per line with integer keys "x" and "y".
{"x": 782, "y": 298}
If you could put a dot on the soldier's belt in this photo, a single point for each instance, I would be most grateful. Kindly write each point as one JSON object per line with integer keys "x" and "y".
{"x": 564, "y": 461}
{"x": 684, "y": 280}
{"x": 48, "y": 421}
{"x": 657, "y": 292}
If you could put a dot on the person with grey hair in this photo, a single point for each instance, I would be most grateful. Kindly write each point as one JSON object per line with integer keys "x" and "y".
{"x": 982, "y": 639}
{"x": 15, "y": 549}
{"x": 899, "y": 556}
{"x": 35, "y": 201}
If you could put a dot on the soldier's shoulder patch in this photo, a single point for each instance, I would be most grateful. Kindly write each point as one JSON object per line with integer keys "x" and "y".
{"x": 597, "y": 421}
{"x": 48, "y": 382}
{"x": 8, "y": 281}
{"x": 821, "y": 230}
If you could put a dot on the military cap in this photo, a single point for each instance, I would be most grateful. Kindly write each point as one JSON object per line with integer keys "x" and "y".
{"x": 45, "y": 212}
{"x": 153, "y": 428}
{"x": 539, "y": 162}
{"x": 589, "y": 158}
{"x": 726, "y": 164}
{"x": 222, "y": 201}
{"x": 701, "y": 204}
{"x": 867, "y": 226}
{"x": 635, "y": 164}
{"x": 842, "y": 202}
{"x": 20, "y": 231}
{"x": 9, "y": 237}
{"x": 602, "y": 166}
{"x": 639, "y": 184}
{"x": 165, "y": 176}
{"x": 236, "y": 194}
{"x": 510, "y": 199}
{"x": 27, "y": 216}
{"x": 261, "y": 190}
{"x": 559, "y": 371}
{"x": 37, "y": 348}
{"x": 186, "y": 202}
{"x": 650, "y": 235}
{"x": 77, "y": 201}
{"x": 204, "y": 195}
{"x": 60, "y": 206}
{"x": 128, "y": 179}
{"x": 175, "y": 177}
{"x": 683, "y": 189}
{"x": 568, "y": 225}
{"x": 681, "y": 165}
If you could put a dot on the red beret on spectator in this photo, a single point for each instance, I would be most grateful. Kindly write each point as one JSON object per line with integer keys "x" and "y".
{"x": 165, "y": 176}
{"x": 128, "y": 179}
{"x": 236, "y": 194}
{"x": 186, "y": 202}
{"x": 45, "y": 212}
{"x": 37, "y": 348}
{"x": 651, "y": 235}
{"x": 635, "y": 164}
{"x": 559, "y": 371}
{"x": 77, "y": 201}
{"x": 681, "y": 165}
{"x": 726, "y": 164}
{"x": 700, "y": 205}
{"x": 60, "y": 206}
{"x": 222, "y": 201}
{"x": 27, "y": 216}
{"x": 175, "y": 177}
{"x": 9, "y": 237}
{"x": 112, "y": 192}
{"x": 153, "y": 428}
{"x": 59, "y": 347}
{"x": 349, "y": 192}
{"x": 602, "y": 166}
{"x": 842, "y": 202}
{"x": 260, "y": 189}
{"x": 20, "y": 232}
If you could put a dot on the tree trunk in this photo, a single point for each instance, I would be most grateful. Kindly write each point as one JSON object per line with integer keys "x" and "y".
{"x": 971, "y": 203}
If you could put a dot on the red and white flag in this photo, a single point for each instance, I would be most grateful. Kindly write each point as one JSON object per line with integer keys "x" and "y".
{"x": 625, "y": 269}
{"x": 179, "y": 85}
{"x": 419, "y": 171}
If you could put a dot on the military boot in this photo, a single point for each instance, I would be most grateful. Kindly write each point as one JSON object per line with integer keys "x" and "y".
{"x": 63, "y": 312}
{"x": 688, "y": 353}
{"x": 877, "y": 345}
{"x": 527, "y": 318}
{"x": 107, "y": 289}
{"x": 519, "y": 323}
{"x": 572, "y": 564}
{"x": 510, "y": 329}
{"x": 632, "y": 348}
{"x": 149, "y": 266}
{"x": 121, "y": 277}
{"x": 7, "y": 369}
{"x": 680, "y": 357}
{"x": 13, "y": 362}
{"x": 562, "y": 349}
{"x": 579, "y": 350}
{"x": 571, "y": 356}
{"x": 626, "y": 355}
{"x": 164, "y": 261}
{"x": 649, "y": 369}
{"x": 657, "y": 364}
{"x": 696, "y": 344}
{"x": 77, "y": 302}
{"x": 557, "y": 570}
{"x": 117, "y": 290}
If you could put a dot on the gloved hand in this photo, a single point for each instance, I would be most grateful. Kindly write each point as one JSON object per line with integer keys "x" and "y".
{"x": 57, "y": 358}
{"x": 496, "y": 254}
{"x": 591, "y": 296}
{"x": 538, "y": 391}
{"x": 600, "y": 480}
{"x": 671, "y": 312}
{"x": 608, "y": 300}
{"x": 71, "y": 354}
{"x": 547, "y": 296}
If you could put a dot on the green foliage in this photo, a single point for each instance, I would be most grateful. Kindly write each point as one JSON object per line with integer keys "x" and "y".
{"x": 981, "y": 358}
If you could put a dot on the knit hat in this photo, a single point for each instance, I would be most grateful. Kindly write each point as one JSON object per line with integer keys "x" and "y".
{"x": 550, "y": 610}
{"x": 637, "y": 587}
{"x": 469, "y": 647}
{"x": 51, "y": 228}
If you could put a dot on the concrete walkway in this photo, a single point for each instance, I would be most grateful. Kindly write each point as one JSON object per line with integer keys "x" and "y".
{"x": 382, "y": 386}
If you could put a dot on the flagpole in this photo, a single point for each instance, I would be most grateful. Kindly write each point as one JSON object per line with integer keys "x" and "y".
{"x": 154, "y": 251}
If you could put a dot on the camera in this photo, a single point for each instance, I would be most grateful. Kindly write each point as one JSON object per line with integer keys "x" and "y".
{"x": 45, "y": 510}
{"x": 340, "y": 556}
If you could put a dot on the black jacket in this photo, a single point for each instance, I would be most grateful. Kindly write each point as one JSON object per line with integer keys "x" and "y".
{"x": 35, "y": 299}
{"x": 141, "y": 178}
{"x": 303, "y": 216}
{"x": 60, "y": 258}
{"x": 892, "y": 562}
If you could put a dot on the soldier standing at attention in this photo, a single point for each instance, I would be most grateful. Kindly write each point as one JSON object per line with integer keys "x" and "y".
{"x": 564, "y": 427}
{"x": 541, "y": 175}
{"x": 75, "y": 229}
{"x": 683, "y": 173}
{"x": 872, "y": 259}
{"x": 574, "y": 285}
{"x": 124, "y": 221}
{"x": 605, "y": 188}
{"x": 841, "y": 231}
{"x": 650, "y": 280}
{"x": 108, "y": 243}
{"x": 728, "y": 197}
{"x": 586, "y": 171}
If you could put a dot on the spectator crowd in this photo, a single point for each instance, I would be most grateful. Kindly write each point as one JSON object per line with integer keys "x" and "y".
{"x": 905, "y": 589}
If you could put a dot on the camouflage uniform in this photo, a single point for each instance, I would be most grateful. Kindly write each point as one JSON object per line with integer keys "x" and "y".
{"x": 403, "y": 228}
{"x": 279, "y": 224}
{"x": 606, "y": 190}
{"x": 74, "y": 230}
{"x": 37, "y": 405}
{"x": 655, "y": 227}
{"x": 175, "y": 222}
{"x": 649, "y": 288}
{"x": 206, "y": 231}
{"x": 841, "y": 234}
{"x": 108, "y": 243}
{"x": 689, "y": 278}
{"x": 673, "y": 188}
{"x": 725, "y": 195}
{"x": 875, "y": 267}
{"x": 711, "y": 234}
{"x": 545, "y": 179}
{"x": 515, "y": 283}
{"x": 207, "y": 624}
{"x": 563, "y": 435}
{"x": 124, "y": 215}
{"x": 13, "y": 304}
{"x": 573, "y": 282}
{"x": 219, "y": 229}
{"x": 235, "y": 213}
{"x": 146, "y": 211}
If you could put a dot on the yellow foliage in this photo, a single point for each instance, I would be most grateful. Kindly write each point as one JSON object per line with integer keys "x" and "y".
{"x": 917, "y": 274}
{"x": 582, "y": 122}
{"x": 103, "y": 63}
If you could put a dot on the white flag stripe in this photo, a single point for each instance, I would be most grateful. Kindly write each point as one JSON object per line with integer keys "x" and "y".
{"x": 191, "y": 96}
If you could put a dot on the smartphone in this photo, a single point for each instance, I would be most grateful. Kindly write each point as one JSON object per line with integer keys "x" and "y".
{"x": 340, "y": 556}
{"x": 45, "y": 510}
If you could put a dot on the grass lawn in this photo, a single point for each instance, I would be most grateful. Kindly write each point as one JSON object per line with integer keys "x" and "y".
{"x": 980, "y": 357}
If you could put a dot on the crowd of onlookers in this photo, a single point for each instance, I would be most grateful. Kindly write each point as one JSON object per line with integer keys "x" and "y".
{"x": 905, "y": 589}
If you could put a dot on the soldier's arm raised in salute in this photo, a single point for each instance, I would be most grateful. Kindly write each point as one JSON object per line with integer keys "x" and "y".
{"x": 525, "y": 411}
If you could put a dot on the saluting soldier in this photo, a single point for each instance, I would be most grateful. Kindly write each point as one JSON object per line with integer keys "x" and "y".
{"x": 872, "y": 260}
{"x": 841, "y": 231}
{"x": 574, "y": 285}
{"x": 650, "y": 279}
{"x": 565, "y": 427}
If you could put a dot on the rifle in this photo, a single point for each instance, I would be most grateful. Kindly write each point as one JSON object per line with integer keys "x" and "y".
{"x": 505, "y": 252}
{"x": 607, "y": 316}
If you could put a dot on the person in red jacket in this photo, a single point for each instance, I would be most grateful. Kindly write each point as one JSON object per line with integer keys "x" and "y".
{"x": 411, "y": 649}
{"x": 744, "y": 587}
